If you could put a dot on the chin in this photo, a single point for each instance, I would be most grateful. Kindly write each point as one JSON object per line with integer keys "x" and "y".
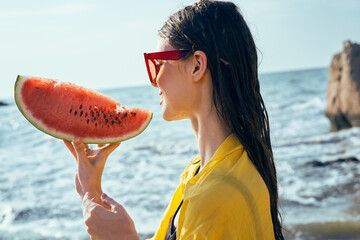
{"x": 167, "y": 117}
{"x": 170, "y": 115}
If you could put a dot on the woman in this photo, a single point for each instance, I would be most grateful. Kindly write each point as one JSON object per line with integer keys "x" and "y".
{"x": 206, "y": 71}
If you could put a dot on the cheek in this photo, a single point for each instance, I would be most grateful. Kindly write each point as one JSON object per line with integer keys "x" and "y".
{"x": 173, "y": 85}
{"x": 168, "y": 77}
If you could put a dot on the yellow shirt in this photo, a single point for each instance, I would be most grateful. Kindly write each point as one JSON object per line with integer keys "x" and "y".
{"x": 227, "y": 199}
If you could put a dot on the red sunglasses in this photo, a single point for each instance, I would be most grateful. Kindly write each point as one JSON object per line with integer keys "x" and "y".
{"x": 153, "y": 65}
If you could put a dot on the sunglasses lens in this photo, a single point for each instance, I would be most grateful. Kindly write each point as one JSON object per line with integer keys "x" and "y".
{"x": 152, "y": 70}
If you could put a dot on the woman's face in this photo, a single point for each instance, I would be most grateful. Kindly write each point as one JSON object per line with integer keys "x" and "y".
{"x": 177, "y": 93}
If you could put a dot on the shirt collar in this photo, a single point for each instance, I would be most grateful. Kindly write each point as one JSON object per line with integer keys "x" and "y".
{"x": 228, "y": 146}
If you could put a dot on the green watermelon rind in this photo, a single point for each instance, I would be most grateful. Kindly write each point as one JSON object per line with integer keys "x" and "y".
{"x": 20, "y": 79}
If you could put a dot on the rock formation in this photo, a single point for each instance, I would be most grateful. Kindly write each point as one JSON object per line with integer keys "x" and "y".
{"x": 343, "y": 96}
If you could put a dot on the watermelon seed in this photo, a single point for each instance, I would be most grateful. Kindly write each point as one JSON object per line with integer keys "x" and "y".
{"x": 95, "y": 124}
{"x": 134, "y": 114}
{"x": 80, "y": 106}
{"x": 70, "y": 110}
{"x": 112, "y": 122}
{"x": 106, "y": 120}
{"x": 86, "y": 114}
{"x": 98, "y": 114}
{"x": 88, "y": 121}
{"x": 92, "y": 113}
{"x": 81, "y": 113}
{"x": 125, "y": 114}
{"x": 118, "y": 122}
{"x": 94, "y": 118}
{"x": 110, "y": 115}
{"x": 75, "y": 113}
{"x": 104, "y": 116}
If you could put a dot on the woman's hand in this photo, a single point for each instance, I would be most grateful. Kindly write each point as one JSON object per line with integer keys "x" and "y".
{"x": 104, "y": 217}
{"x": 113, "y": 224}
{"x": 89, "y": 165}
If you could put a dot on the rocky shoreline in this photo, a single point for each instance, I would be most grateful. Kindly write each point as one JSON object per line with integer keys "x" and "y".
{"x": 343, "y": 97}
{"x": 3, "y": 103}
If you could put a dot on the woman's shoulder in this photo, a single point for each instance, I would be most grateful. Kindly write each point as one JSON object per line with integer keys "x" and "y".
{"x": 234, "y": 181}
{"x": 238, "y": 172}
{"x": 236, "y": 196}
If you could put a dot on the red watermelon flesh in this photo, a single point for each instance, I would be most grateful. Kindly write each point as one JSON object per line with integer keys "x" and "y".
{"x": 65, "y": 111}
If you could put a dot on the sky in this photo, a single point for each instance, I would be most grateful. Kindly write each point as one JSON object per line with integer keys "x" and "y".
{"x": 100, "y": 44}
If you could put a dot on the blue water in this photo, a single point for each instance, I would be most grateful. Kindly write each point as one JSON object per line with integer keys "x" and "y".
{"x": 39, "y": 201}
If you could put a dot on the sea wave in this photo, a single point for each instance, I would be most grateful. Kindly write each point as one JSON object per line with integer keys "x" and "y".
{"x": 318, "y": 170}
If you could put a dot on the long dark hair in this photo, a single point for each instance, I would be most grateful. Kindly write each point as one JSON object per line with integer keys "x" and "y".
{"x": 219, "y": 30}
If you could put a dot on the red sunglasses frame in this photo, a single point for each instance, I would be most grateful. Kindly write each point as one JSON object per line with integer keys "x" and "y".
{"x": 166, "y": 55}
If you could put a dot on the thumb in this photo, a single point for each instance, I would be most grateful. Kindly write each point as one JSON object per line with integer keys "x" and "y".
{"x": 106, "y": 150}
{"x": 79, "y": 147}
{"x": 109, "y": 201}
{"x": 111, "y": 147}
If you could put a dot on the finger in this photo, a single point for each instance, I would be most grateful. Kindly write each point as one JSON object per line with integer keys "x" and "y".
{"x": 92, "y": 206}
{"x": 86, "y": 197}
{"x": 70, "y": 147}
{"x": 87, "y": 149}
{"x": 88, "y": 201}
{"x": 110, "y": 202}
{"x": 110, "y": 148}
{"x": 96, "y": 200}
{"x": 79, "y": 147}
{"x": 105, "y": 151}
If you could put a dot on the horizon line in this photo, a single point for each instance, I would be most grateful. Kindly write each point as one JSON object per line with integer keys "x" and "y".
{"x": 5, "y": 99}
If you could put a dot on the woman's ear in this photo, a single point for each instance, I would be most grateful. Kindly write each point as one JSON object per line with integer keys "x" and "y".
{"x": 199, "y": 65}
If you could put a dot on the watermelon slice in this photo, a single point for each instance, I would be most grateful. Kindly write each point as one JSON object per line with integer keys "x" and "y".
{"x": 65, "y": 111}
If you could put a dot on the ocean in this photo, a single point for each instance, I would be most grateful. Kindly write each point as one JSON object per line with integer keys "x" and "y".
{"x": 318, "y": 170}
